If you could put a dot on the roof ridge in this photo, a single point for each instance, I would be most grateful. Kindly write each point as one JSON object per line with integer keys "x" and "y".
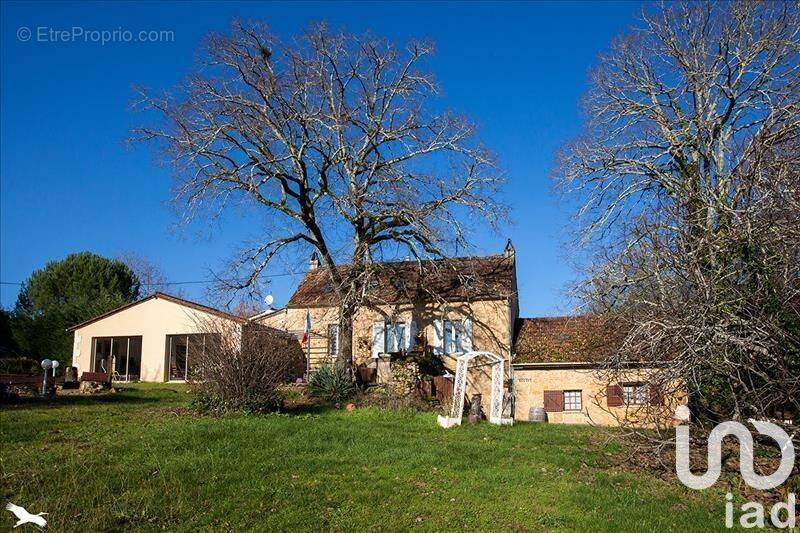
{"x": 413, "y": 261}
{"x": 558, "y": 317}
{"x": 158, "y": 294}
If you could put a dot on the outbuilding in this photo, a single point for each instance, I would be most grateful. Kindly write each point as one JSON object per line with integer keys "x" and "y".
{"x": 152, "y": 339}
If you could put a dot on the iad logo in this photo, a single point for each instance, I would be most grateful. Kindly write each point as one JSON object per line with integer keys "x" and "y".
{"x": 745, "y": 455}
{"x": 754, "y": 516}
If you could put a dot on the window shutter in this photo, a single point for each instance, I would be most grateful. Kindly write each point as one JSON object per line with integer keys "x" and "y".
{"x": 378, "y": 341}
{"x": 438, "y": 336}
{"x": 554, "y": 401}
{"x": 411, "y": 334}
{"x": 656, "y": 398}
{"x": 333, "y": 341}
{"x": 466, "y": 337}
{"x": 614, "y": 395}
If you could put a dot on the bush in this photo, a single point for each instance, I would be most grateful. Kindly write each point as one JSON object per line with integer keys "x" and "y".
{"x": 333, "y": 383}
{"x": 20, "y": 365}
{"x": 243, "y": 372}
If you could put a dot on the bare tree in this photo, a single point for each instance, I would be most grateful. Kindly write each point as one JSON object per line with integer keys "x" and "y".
{"x": 687, "y": 175}
{"x": 242, "y": 366}
{"x": 337, "y": 141}
{"x": 150, "y": 275}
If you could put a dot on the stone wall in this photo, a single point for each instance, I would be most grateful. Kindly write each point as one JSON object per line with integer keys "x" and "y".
{"x": 530, "y": 384}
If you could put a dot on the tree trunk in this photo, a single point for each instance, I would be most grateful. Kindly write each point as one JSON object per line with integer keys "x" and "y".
{"x": 346, "y": 339}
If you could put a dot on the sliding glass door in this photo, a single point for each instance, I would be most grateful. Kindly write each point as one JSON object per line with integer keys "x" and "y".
{"x": 181, "y": 350}
{"x": 120, "y": 355}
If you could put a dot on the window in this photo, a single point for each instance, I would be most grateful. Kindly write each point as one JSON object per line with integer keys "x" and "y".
{"x": 572, "y": 400}
{"x": 634, "y": 393}
{"x": 457, "y": 336}
{"x": 333, "y": 341}
{"x": 120, "y": 355}
{"x": 180, "y": 350}
{"x": 395, "y": 334}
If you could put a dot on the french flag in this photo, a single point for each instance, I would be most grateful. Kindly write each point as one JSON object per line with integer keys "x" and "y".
{"x": 307, "y": 329}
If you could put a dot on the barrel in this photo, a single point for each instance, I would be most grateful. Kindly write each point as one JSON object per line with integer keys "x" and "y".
{"x": 537, "y": 414}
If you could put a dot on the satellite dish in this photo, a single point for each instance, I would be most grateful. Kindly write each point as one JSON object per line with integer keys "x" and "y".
{"x": 268, "y": 299}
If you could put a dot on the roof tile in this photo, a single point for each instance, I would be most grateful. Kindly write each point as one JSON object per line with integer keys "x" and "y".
{"x": 462, "y": 278}
{"x": 571, "y": 339}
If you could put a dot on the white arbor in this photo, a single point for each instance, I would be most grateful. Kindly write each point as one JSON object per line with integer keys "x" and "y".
{"x": 460, "y": 386}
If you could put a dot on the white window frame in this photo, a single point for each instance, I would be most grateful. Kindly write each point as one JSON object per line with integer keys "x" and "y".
{"x": 573, "y": 400}
{"x": 634, "y": 393}
{"x": 453, "y": 334}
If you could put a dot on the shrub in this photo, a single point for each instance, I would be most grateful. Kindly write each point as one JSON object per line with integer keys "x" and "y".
{"x": 333, "y": 383}
{"x": 243, "y": 371}
{"x": 20, "y": 365}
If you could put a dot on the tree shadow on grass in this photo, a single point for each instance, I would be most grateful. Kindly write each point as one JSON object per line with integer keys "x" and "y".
{"x": 122, "y": 396}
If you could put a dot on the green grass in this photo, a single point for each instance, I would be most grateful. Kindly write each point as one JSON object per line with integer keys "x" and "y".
{"x": 137, "y": 460}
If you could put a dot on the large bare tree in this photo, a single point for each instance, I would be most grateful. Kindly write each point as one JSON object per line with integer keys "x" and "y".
{"x": 688, "y": 185}
{"x": 337, "y": 140}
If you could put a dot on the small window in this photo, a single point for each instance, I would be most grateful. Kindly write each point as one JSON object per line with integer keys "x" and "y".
{"x": 333, "y": 341}
{"x": 572, "y": 400}
{"x": 634, "y": 393}
{"x": 395, "y": 337}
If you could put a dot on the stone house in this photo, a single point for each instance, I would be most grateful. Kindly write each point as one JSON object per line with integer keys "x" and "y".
{"x": 559, "y": 365}
{"x": 449, "y": 307}
{"x": 435, "y": 308}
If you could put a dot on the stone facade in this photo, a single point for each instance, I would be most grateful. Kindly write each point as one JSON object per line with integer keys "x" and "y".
{"x": 491, "y": 331}
{"x": 530, "y": 384}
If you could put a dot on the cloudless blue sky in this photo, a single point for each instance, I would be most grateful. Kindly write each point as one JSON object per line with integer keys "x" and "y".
{"x": 70, "y": 183}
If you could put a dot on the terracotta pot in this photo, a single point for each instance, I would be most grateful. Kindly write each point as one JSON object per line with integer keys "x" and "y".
{"x": 351, "y": 407}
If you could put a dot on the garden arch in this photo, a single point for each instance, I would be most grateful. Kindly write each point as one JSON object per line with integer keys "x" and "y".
{"x": 460, "y": 387}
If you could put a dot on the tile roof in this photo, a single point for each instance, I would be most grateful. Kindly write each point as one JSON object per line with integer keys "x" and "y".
{"x": 457, "y": 279}
{"x": 569, "y": 339}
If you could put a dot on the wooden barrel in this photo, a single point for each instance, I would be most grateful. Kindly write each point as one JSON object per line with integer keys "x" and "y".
{"x": 537, "y": 414}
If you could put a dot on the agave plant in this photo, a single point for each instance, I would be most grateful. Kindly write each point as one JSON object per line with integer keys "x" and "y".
{"x": 333, "y": 383}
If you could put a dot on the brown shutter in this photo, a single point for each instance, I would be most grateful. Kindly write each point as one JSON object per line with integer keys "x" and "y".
{"x": 656, "y": 397}
{"x": 553, "y": 401}
{"x": 614, "y": 396}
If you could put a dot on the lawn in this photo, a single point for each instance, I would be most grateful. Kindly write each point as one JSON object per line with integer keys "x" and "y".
{"x": 140, "y": 460}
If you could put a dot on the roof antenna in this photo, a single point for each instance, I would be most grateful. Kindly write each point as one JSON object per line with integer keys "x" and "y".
{"x": 268, "y": 299}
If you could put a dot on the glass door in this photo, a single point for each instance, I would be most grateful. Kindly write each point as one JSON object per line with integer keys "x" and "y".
{"x": 178, "y": 356}
{"x": 101, "y": 355}
{"x": 120, "y": 355}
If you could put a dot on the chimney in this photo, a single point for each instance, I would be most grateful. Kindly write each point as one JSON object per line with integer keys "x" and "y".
{"x": 313, "y": 263}
{"x": 509, "y": 250}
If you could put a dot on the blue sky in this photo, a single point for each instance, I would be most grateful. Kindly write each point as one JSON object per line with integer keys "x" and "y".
{"x": 68, "y": 181}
